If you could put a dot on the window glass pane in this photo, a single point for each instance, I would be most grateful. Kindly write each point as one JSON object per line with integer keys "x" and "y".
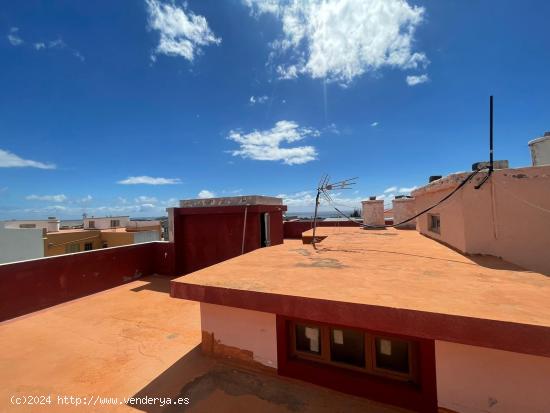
{"x": 392, "y": 355}
{"x": 308, "y": 339}
{"x": 347, "y": 346}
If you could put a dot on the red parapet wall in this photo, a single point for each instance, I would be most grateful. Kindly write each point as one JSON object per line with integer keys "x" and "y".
{"x": 32, "y": 285}
{"x": 294, "y": 229}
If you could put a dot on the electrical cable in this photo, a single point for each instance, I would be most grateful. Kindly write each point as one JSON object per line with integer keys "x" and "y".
{"x": 464, "y": 182}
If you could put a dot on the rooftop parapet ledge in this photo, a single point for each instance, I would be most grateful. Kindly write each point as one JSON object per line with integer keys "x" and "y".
{"x": 231, "y": 201}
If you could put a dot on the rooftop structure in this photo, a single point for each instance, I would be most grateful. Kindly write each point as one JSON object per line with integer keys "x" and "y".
{"x": 394, "y": 290}
{"x": 106, "y": 222}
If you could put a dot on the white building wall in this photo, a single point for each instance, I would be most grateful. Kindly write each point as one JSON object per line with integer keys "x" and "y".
{"x": 20, "y": 244}
{"x": 474, "y": 379}
{"x": 146, "y": 236}
{"x": 48, "y": 225}
{"x": 254, "y": 331}
{"x": 105, "y": 222}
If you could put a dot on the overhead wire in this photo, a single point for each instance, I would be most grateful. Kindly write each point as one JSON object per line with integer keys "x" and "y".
{"x": 450, "y": 194}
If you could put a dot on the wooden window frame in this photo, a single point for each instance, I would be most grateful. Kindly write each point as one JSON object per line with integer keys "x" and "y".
{"x": 369, "y": 347}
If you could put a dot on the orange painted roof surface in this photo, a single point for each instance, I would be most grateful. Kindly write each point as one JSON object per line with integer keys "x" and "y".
{"x": 389, "y": 268}
{"x": 136, "y": 341}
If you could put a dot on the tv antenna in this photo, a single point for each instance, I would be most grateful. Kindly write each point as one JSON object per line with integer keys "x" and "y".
{"x": 323, "y": 189}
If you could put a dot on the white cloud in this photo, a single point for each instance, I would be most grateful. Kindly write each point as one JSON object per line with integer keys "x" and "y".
{"x": 85, "y": 199}
{"x": 374, "y": 124}
{"x": 204, "y": 194}
{"x": 48, "y": 198}
{"x": 39, "y": 45}
{"x": 149, "y": 180}
{"x": 11, "y": 160}
{"x": 182, "y": 33}
{"x": 390, "y": 189}
{"x": 306, "y": 199}
{"x": 146, "y": 199}
{"x": 266, "y": 145}
{"x": 14, "y": 38}
{"x": 417, "y": 80}
{"x": 258, "y": 99}
{"x": 339, "y": 40}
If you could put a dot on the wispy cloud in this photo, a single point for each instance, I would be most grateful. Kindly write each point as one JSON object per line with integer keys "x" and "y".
{"x": 417, "y": 80}
{"x": 14, "y": 38}
{"x": 373, "y": 34}
{"x": 390, "y": 189}
{"x": 11, "y": 160}
{"x": 258, "y": 99}
{"x": 266, "y": 145}
{"x": 149, "y": 180}
{"x": 374, "y": 124}
{"x": 182, "y": 33}
{"x": 143, "y": 199}
{"x": 204, "y": 194}
{"x": 48, "y": 198}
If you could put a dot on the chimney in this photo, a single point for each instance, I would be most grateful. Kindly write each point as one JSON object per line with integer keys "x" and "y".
{"x": 404, "y": 208}
{"x": 373, "y": 212}
{"x": 540, "y": 150}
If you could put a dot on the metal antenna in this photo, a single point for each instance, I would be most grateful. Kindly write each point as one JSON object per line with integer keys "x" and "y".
{"x": 323, "y": 188}
{"x": 491, "y": 160}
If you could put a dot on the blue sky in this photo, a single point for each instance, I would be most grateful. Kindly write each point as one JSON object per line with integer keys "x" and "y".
{"x": 126, "y": 107}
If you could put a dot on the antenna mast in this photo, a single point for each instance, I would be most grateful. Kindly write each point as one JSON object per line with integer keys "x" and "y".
{"x": 323, "y": 189}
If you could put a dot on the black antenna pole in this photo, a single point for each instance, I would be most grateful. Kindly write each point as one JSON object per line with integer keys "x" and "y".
{"x": 491, "y": 134}
{"x": 491, "y": 160}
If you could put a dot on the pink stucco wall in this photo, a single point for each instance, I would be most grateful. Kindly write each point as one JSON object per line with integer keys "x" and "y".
{"x": 475, "y": 379}
{"x": 508, "y": 217}
{"x": 254, "y": 331}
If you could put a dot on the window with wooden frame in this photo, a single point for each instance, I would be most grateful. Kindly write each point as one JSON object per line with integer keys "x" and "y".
{"x": 354, "y": 349}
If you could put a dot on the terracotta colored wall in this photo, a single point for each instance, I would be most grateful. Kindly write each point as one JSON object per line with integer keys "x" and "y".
{"x": 61, "y": 238}
{"x": 207, "y": 236}
{"x": 476, "y": 379}
{"x": 294, "y": 229}
{"x": 36, "y": 284}
{"x": 508, "y": 217}
{"x": 244, "y": 334}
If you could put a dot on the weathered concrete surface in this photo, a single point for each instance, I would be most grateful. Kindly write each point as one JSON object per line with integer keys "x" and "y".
{"x": 134, "y": 340}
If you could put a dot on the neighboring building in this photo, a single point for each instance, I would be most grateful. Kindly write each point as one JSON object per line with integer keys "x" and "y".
{"x": 50, "y": 225}
{"x": 106, "y": 222}
{"x": 23, "y": 240}
{"x": 508, "y": 217}
{"x": 145, "y": 225}
{"x": 21, "y": 244}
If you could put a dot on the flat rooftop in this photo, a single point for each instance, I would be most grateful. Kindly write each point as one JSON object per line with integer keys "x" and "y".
{"x": 136, "y": 341}
{"x": 386, "y": 280}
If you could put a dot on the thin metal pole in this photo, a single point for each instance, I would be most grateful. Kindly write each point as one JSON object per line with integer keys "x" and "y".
{"x": 244, "y": 228}
{"x": 315, "y": 217}
{"x": 491, "y": 134}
